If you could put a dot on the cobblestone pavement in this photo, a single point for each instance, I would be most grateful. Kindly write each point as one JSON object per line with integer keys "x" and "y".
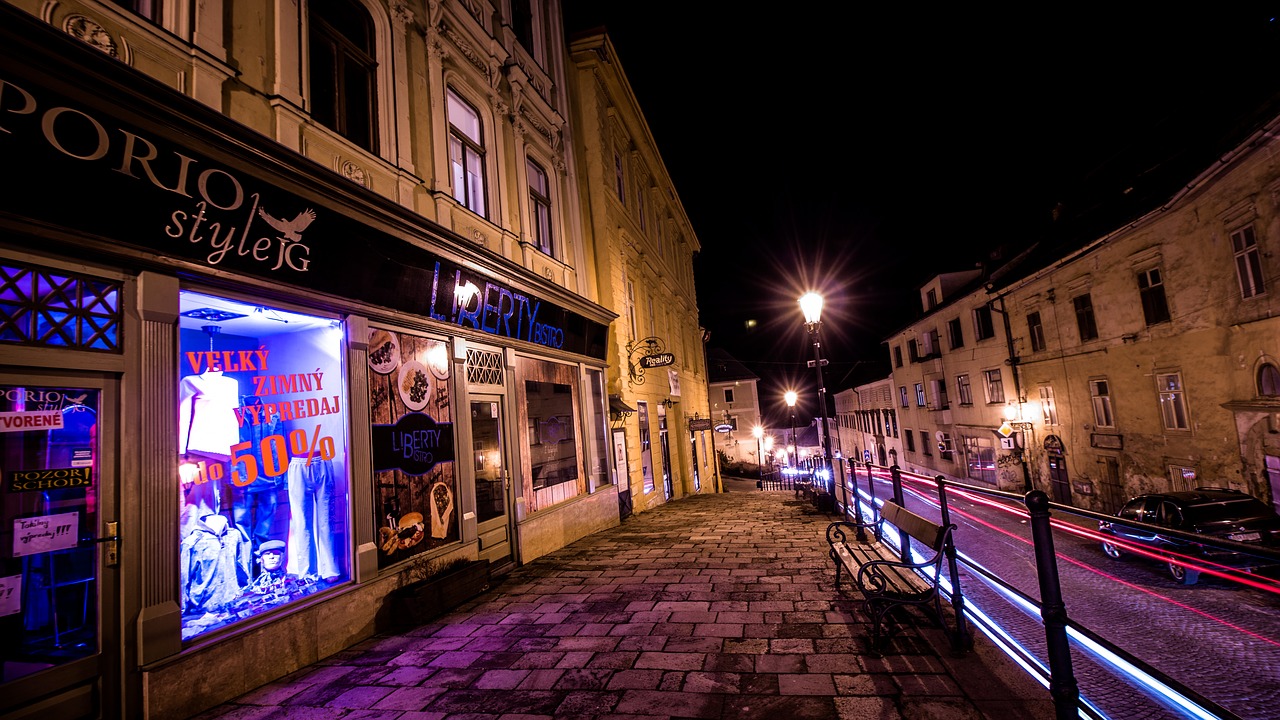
{"x": 712, "y": 606}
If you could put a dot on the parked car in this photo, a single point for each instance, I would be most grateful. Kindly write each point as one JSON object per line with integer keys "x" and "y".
{"x": 1214, "y": 512}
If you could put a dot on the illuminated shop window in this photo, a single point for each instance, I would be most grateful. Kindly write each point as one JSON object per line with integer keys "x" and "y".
{"x": 47, "y": 308}
{"x": 262, "y": 459}
{"x": 49, "y": 563}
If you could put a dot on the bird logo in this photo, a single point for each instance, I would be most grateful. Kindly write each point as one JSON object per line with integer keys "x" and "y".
{"x": 291, "y": 229}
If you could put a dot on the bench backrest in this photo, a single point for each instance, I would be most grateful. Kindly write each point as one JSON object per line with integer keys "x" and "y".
{"x": 912, "y": 524}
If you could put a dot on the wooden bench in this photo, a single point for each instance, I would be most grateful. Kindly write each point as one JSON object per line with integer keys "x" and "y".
{"x": 887, "y": 582}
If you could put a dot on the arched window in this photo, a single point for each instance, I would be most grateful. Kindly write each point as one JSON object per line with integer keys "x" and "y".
{"x": 342, "y": 70}
{"x": 1268, "y": 380}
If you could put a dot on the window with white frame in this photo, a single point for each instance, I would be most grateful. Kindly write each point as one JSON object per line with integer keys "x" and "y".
{"x": 1100, "y": 395}
{"x": 980, "y": 458}
{"x": 920, "y": 395}
{"x": 631, "y": 309}
{"x": 342, "y": 64}
{"x": 1047, "y": 405}
{"x": 994, "y": 386}
{"x": 945, "y": 451}
{"x": 938, "y": 388}
{"x": 982, "y": 325}
{"x": 539, "y": 206}
{"x": 527, "y": 26}
{"x": 1248, "y": 262}
{"x": 902, "y": 395}
{"x": 963, "y": 390}
{"x": 1173, "y": 401}
{"x": 1035, "y": 329}
{"x": 466, "y": 153}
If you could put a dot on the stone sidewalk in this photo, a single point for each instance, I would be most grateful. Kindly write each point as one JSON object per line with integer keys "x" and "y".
{"x": 712, "y": 606}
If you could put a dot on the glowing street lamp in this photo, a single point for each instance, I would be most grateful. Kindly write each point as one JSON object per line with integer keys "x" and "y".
{"x": 811, "y": 306}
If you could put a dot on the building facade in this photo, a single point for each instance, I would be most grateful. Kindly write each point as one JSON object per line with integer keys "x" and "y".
{"x": 642, "y": 257}
{"x": 868, "y": 424}
{"x": 297, "y": 298}
{"x": 735, "y": 408}
{"x": 1140, "y": 360}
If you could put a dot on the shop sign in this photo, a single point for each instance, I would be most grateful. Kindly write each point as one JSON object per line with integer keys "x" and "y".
{"x": 697, "y": 424}
{"x": 142, "y": 188}
{"x": 724, "y": 428}
{"x": 24, "y": 421}
{"x": 657, "y": 361}
{"x": 413, "y": 445}
{"x": 51, "y": 479}
{"x": 46, "y": 533}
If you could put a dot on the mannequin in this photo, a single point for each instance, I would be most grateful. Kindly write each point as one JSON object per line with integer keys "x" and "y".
{"x": 214, "y": 560}
{"x": 207, "y": 428}
{"x": 254, "y": 505}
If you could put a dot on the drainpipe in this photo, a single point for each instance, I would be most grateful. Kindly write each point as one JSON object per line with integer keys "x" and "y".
{"x": 1014, "y": 362}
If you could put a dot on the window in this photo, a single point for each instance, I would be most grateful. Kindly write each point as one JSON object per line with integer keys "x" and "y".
{"x": 149, "y": 9}
{"x": 342, "y": 65}
{"x": 888, "y": 427}
{"x": 911, "y": 440}
{"x": 982, "y": 326}
{"x": 1248, "y": 262}
{"x": 631, "y": 308}
{"x": 963, "y": 391}
{"x": 539, "y": 207}
{"x": 931, "y": 299}
{"x": 1182, "y": 477}
{"x": 524, "y": 22}
{"x": 1036, "y": 330}
{"x": 919, "y": 394}
{"x": 897, "y": 356}
{"x": 938, "y": 388}
{"x": 646, "y": 443}
{"x": 1100, "y": 393}
{"x": 924, "y": 444}
{"x": 1268, "y": 380}
{"x": 553, "y": 447}
{"x": 913, "y": 350}
{"x": 1047, "y": 405}
{"x": 902, "y": 395}
{"x": 466, "y": 153}
{"x": 980, "y": 458}
{"x": 994, "y": 386}
{"x": 1085, "y": 323}
{"x": 893, "y": 418}
{"x": 640, "y": 213}
{"x": 728, "y": 395}
{"x": 1173, "y": 404}
{"x": 619, "y": 178}
{"x": 1155, "y": 308}
{"x": 955, "y": 333}
{"x": 945, "y": 451}
{"x": 932, "y": 347}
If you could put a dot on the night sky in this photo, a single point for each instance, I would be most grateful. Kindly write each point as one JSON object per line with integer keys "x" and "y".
{"x": 860, "y": 152}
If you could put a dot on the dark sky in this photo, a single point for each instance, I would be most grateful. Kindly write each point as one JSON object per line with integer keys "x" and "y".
{"x": 861, "y": 151}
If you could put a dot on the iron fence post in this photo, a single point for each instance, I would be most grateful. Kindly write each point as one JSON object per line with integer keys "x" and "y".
{"x": 1062, "y": 681}
{"x": 963, "y": 640}
{"x": 895, "y": 478}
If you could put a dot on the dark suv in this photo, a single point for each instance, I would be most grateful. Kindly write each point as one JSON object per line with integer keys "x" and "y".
{"x": 1214, "y": 512}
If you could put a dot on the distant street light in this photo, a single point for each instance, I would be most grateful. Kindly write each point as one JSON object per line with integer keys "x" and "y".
{"x": 811, "y": 306}
{"x": 794, "y": 450}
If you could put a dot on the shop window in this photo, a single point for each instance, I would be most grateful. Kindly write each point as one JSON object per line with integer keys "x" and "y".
{"x": 49, "y": 308}
{"x": 599, "y": 430}
{"x": 552, "y": 441}
{"x": 415, "y": 486}
{"x": 48, "y": 569}
{"x": 263, "y": 453}
{"x": 342, "y": 70}
{"x": 646, "y": 443}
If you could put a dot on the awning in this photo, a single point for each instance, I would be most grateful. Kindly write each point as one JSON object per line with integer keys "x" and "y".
{"x": 617, "y": 407}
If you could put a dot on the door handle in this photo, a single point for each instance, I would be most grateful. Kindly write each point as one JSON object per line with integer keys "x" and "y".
{"x": 112, "y": 541}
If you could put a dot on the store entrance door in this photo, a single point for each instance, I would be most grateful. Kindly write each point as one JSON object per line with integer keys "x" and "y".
{"x": 493, "y": 481}
{"x": 666, "y": 454}
{"x": 59, "y": 587}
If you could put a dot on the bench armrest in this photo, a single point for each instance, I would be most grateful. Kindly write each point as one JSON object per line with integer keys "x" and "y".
{"x": 845, "y": 530}
{"x": 872, "y": 574}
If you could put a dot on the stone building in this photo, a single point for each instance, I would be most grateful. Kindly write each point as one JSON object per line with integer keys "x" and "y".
{"x": 1133, "y": 350}
{"x": 301, "y": 301}
{"x": 734, "y": 394}
{"x": 867, "y": 420}
{"x": 642, "y": 259}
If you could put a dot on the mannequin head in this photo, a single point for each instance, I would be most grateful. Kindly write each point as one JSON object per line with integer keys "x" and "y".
{"x": 271, "y": 556}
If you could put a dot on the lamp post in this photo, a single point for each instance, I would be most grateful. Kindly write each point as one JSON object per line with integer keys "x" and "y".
{"x": 791, "y": 398}
{"x": 1016, "y": 420}
{"x": 811, "y": 306}
{"x": 758, "y": 432}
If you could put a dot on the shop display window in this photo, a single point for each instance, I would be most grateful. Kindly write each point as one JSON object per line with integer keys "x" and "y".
{"x": 553, "y": 446}
{"x": 415, "y": 482}
{"x": 262, "y": 460}
{"x": 48, "y": 559}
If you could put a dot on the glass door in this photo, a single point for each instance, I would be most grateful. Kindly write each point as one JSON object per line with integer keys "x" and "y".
{"x": 493, "y": 480}
{"x": 56, "y": 504}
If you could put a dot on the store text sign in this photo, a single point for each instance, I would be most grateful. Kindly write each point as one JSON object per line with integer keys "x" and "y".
{"x": 185, "y": 204}
{"x": 413, "y": 445}
{"x": 24, "y": 421}
{"x": 46, "y": 533}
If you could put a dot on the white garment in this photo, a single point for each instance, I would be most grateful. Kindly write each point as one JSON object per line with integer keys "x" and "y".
{"x": 207, "y": 414}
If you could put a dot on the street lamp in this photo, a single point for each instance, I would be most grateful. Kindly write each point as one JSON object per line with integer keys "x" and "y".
{"x": 1016, "y": 420}
{"x": 791, "y": 398}
{"x": 758, "y": 432}
{"x": 811, "y": 306}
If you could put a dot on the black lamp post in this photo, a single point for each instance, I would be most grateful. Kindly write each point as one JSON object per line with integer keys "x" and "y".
{"x": 758, "y": 432}
{"x": 811, "y": 306}
{"x": 791, "y": 398}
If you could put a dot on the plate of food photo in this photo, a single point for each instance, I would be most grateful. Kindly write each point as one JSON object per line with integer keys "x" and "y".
{"x": 414, "y": 385}
{"x": 384, "y": 351}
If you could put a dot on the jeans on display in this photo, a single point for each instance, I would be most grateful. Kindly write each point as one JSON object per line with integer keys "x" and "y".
{"x": 310, "y": 532}
{"x": 255, "y": 512}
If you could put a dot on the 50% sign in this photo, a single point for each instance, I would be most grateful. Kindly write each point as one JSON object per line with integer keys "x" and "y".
{"x": 275, "y": 451}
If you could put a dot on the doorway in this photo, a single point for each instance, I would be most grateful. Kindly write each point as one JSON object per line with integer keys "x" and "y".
{"x": 59, "y": 587}
{"x": 622, "y": 467}
{"x": 493, "y": 482}
{"x": 665, "y": 446}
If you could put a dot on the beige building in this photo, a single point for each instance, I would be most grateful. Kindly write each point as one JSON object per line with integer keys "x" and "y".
{"x": 642, "y": 255}
{"x": 735, "y": 409}
{"x": 867, "y": 420}
{"x": 1142, "y": 360}
{"x": 302, "y": 301}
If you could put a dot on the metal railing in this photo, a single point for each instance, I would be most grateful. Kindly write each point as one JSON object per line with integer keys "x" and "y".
{"x": 1059, "y": 629}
